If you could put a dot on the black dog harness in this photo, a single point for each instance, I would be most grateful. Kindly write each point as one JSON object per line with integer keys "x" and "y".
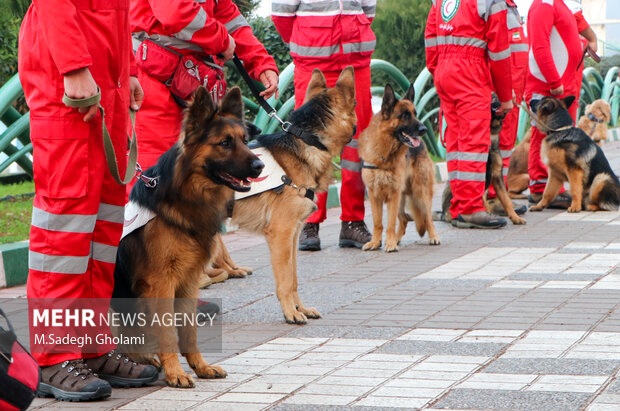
{"x": 596, "y": 120}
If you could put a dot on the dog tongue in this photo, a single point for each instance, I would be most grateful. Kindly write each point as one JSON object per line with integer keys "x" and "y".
{"x": 414, "y": 141}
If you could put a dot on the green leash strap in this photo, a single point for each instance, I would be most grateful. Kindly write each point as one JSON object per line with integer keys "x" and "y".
{"x": 110, "y": 154}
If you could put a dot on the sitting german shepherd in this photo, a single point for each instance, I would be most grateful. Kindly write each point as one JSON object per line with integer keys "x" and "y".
{"x": 328, "y": 121}
{"x": 493, "y": 176}
{"x": 164, "y": 259}
{"x": 571, "y": 155}
{"x": 397, "y": 170}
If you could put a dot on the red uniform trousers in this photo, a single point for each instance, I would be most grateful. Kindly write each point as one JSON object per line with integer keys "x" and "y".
{"x": 535, "y": 167}
{"x": 464, "y": 87}
{"x": 158, "y": 122}
{"x": 352, "y": 190}
{"x": 77, "y": 216}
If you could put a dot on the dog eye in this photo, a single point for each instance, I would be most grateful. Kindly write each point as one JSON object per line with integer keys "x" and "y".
{"x": 227, "y": 143}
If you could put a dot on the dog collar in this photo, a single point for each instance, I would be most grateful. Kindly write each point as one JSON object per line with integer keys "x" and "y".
{"x": 555, "y": 130}
{"x": 594, "y": 118}
{"x": 308, "y": 138}
{"x": 368, "y": 165}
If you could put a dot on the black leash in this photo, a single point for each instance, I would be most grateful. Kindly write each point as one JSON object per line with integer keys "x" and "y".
{"x": 308, "y": 138}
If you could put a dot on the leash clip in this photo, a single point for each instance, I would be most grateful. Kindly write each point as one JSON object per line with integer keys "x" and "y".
{"x": 149, "y": 182}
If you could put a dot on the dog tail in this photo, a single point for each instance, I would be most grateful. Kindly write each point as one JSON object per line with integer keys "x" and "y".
{"x": 605, "y": 192}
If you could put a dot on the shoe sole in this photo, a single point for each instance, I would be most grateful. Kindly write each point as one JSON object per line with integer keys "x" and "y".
{"x": 310, "y": 245}
{"x": 350, "y": 244}
{"x": 122, "y": 382}
{"x": 46, "y": 390}
{"x": 462, "y": 224}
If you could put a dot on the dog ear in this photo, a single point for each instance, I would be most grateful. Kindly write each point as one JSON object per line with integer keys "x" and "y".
{"x": 534, "y": 105}
{"x": 201, "y": 108}
{"x": 317, "y": 84}
{"x": 389, "y": 102}
{"x": 410, "y": 95}
{"x": 346, "y": 83}
{"x": 232, "y": 104}
{"x": 568, "y": 100}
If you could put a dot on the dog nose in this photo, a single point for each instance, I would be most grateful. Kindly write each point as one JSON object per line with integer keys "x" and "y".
{"x": 422, "y": 129}
{"x": 257, "y": 165}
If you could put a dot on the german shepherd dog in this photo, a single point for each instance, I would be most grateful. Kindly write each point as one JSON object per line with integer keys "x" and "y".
{"x": 164, "y": 259}
{"x": 518, "y": 178}
{"x": 397, "y": 171}
{"x": 494, "y": 174}
{"x": 328, "y": 115}
{"x": 571, "y": 155}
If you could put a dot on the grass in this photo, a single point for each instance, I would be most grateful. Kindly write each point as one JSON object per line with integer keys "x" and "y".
{"x": 15, "y": 213}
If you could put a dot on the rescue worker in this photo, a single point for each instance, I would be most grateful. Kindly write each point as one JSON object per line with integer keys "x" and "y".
{"x": 553, "y": 71}
{"x": 510, "y": 125}
{"x": 201, "y": 29}
{"x": 77, "y": 216}
{"x": 331, "y": 36}
{"x": 468, "y": 53}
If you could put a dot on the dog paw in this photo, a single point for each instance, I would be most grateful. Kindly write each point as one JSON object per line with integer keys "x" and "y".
{"x": 180, "y": 380}
{"x": 536, "y": 208}
{"x": 572, "y": 209}
{"x": 311, "y": 312}
{"x": 239, "y": 272}
{"x": 210, "y": 371}
{"x": 371, "y": 245}
{"x": 296, "y": 318}
{"x": 434, "y": 241}
{"x": 518, "y": 221}
{"x": 391, "y": 247}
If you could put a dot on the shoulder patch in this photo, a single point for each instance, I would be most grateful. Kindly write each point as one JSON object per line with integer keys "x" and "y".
{"x": 449, "y": 9}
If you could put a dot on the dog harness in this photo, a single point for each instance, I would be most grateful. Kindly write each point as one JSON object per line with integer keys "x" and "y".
{"x": 136, "y": 216}
{"x": 596, "y": 120}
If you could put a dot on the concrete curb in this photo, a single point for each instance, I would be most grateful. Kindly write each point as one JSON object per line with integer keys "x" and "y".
{"x": 13, "y": 264}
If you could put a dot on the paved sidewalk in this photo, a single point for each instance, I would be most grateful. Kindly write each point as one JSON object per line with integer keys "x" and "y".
{"x": 526, "y": 317}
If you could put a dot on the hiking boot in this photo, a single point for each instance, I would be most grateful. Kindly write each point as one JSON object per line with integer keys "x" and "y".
{"x": 354, "y": 234}
{"x": 309, "y": 238}
{"x": 497, "y": 208}
{"x": 120, "y": 371}
{"x": 561, "y": 202}
{"x": 207, "y": 307}
{"x": 481, "y": 219}
{"x": 72, "y": 381}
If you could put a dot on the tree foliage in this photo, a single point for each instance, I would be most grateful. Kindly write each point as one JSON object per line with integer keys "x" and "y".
{"x": 399, "y": 28}
{"x": 246, "y": 7}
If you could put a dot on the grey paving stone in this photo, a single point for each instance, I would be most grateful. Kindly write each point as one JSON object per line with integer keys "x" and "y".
{"x": 614, "y": 387}
{"x": 512, "y": 400}
{"x": 441, "y": 348}
{"x": 569, "y": 366}
{"x": 554, "y": 277}
{"x": 310, "y": 407}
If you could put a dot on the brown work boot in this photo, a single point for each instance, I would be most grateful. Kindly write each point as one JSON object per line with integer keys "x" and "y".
{"x": 496, "y": 207}
{"x": 309, "y": 238}
{"x": 561, "y": 202}
{"x": 72, "y": 381}
{"x": 120, "y": 371}
{"x": 480, "y": 219}
{"x": 354, "y": 234}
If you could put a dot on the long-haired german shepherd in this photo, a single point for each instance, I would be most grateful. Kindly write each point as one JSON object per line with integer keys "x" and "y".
{"x": 571, "y": 155}
{"x": 328, "y": 121}
{"x": 164, "y": 259}
{"x": 494, "y": 174}
{"x": 397, "y": 171}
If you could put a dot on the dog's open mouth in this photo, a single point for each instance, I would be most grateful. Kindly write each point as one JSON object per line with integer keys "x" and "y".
{"x": 237, "y": 184}
{"x": 409, "y": 140}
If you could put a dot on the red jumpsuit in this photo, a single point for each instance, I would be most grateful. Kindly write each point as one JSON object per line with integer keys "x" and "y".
{"x": 555, "y": 52}
{"x": 189, "y": 27}
{"x": 518, "y": 60}
{"x": 467, "y": 52}
{"x": 77, "y": 216}
{"x": 331, "y": 37}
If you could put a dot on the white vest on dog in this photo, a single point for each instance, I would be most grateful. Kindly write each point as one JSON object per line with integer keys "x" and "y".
{"x": 270, "y": 178}
{"x": 135, "y": 217}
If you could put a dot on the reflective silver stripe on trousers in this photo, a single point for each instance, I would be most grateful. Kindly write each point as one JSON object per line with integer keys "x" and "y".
{"x": 283, "y": 8}
{"x": 103, "y": 252}
{"x": 518, "y": 47}
{"x": 319, "y": 7}
{"x": 111, "y": 213}
{"x": 57, "y": 263}
{"x": 535, "y": 182}
{"x": 351, "y": 165}
{"x": 455, "y": 41}
{"x": 358, "y": 47}
{"x": 196, "y": 24}
{"x": 463, "y": 156}
{"x": 68, "y": 223}
{"x": 353, "y": 143}
{"x": 499, "y": 55}
{"x": 513, "y": 20}
{"x": 236, "y": 23}
{"x": 505, "y": 153}
{"x": 166, "y": 41}
{"x": 466, "y": 176}
{"x": 308, "y": 51}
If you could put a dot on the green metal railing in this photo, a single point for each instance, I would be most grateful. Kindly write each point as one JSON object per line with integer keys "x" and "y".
{"x": 18, "y": 128}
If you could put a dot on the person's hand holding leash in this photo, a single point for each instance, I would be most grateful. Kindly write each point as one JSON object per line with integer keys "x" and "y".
{"x": 269, "y": 78}
{"x": 557, "y": 91}
{"x": 80, "y": 84}
{"x": 229, "y": 52}
{"x": 505, "y": 107}
{"x": 136, "y": 94}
